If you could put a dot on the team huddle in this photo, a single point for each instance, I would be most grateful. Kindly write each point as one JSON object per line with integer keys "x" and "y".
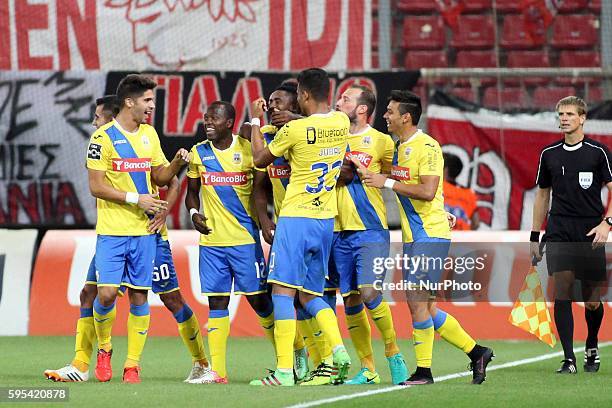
{"x": 327, "y": 169}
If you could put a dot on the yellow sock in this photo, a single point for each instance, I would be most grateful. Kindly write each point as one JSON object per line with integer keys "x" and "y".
{"x": 382, "y": 318}
{"x": 298, "y": 341}
{"x": 361, "y": 336}
{"x": 137, "y": 328}
{"x": 84, "y": 341}
{"x": 329, "y": 326}
{"x": 267, "y": 324}
{"x": 218, "y": 332}
{"x": 451, "y": 331}
{"x": 284, "y": 335}
{"x": 309, "y": 340}
{"x": 104, "y": 317}
{"x": 423, "y": 335}
{"x": 192, "y": 338}
{"x": 321, "y": 343}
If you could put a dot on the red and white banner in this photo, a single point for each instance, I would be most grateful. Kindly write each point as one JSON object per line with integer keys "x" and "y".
{"x": 175, "y": 35}
{"x": 64, "y": 256}
{"x": 500, "y": 154}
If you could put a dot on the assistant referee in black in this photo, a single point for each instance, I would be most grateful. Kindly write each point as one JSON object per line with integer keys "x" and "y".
{"x": 574, "y": 169}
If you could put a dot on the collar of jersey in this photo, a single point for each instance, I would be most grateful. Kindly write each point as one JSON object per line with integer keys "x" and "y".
{"x": 322, "y": 115}
{"x": 122, "y": 130}
{"x": 230, "y": 146}
{"x": 362, "y": 132}
{"x": 411, "y": 138}
{"x": 574, "y": 147}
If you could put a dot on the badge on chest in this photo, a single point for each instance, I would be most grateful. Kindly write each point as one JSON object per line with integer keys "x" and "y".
{"x": 585, "y": 178}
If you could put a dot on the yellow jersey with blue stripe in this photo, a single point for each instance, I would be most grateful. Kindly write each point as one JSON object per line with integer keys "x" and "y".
{"x": 127, "y": 159}
{"x": 278, "y": 171}
{"x": 227, "y": 186}
{"x": 314, "y": 147}
{"x": 420, "y": 155}
{"x": 361, "y": 207}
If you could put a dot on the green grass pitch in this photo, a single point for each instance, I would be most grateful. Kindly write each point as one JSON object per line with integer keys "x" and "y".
{"x": 166, "y": 363}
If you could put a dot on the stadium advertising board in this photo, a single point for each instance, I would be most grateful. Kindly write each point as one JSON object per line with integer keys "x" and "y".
{"x": 16, "y": 257}
{"x": 185, "y": 35}
{"x": 64, "y": 256}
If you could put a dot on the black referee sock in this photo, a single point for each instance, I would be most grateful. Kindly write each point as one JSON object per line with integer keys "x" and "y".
{"x": 565, "y": 327}
{"x": 593, "y": 319}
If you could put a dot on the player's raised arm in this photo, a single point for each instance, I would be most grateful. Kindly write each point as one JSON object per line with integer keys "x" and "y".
{"x": 261, "y": 154}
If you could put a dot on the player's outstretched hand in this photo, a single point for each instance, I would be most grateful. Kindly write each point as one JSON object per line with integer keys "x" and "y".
{"x": 158, "y": 221}
{"x": 267, "y": 230}
{"x": 369, "y": 179}
{"x": 258, "y": 107}
{"x": 199, "y": 222}
{"x": 150, "y": 204}
{"x": 535, "y": 251}
{"x": 280, "y": 118}
{"x": 600, "y": 234}
{"x": 182, "y": 157}
{"x": 452, "y": 220}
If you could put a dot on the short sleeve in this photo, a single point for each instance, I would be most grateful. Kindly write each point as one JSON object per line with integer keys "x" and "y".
{"x": 387, "y": 161}
{"x": 604, "y": 165}
{"x": 283, "y": 141}
{"x": 543, "y": 177}
{"x": 194, "y": 164}
{"x": 99, "y": 152}
{"x": 159, "y": 158}
{"x": 431, "y": 162}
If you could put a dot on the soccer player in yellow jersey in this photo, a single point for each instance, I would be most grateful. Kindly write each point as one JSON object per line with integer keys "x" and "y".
{"x": 416, "y": 178}
{"x": 361, "y": 235}
{"x": 165, "y": 284}
{"x": 230, "y": 251}
{"x": 314, "y": 147}
{"x": 124, "y": 161}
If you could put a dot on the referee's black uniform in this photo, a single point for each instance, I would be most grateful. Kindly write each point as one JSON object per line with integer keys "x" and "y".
{"x": 576, "y": 174}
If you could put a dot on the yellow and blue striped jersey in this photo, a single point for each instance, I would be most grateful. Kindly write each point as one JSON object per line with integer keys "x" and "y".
{"x": 227, "y": 184}
{"x": 420, "y": 155}
{"x": 314, "y": 147}
{"x": 278, "y": 171}
{"x": 127, "y": 159}
{"x": 361, "y": 207}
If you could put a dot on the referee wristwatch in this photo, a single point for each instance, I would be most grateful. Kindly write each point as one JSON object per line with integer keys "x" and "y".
{"x": 608, "y": 221}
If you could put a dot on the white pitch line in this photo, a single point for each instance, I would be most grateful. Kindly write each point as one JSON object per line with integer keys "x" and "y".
{"x": 436, "y": 379}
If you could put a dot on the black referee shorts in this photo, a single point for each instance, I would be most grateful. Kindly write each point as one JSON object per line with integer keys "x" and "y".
{"x": 569, "y": 249}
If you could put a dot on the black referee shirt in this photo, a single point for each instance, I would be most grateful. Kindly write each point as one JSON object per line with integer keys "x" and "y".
{"x": 576, "y": 174}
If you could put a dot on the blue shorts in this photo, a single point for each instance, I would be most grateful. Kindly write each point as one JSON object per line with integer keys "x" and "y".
{"x": 300, "y": 253}
{"x": 164, "y": 274}
{"x": 427, "y": 260}
{"x": 353, "y": 255}
{"x": 126, "y": 261}
{"x": 242, "y": 265}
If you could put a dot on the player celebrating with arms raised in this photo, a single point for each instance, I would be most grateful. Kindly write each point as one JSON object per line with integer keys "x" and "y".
{"x": 314, "y": 147}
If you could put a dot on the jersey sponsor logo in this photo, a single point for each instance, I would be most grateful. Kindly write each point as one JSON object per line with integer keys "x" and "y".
{"x": 279, "y": 172}
{"x": 231, "y": 178}
{"x": 364, "y": 158}
{"x": 120, "y": 141}
{"x": 585, "y": 178}
{"x": 132, "y": 165}
{"x": 206, "y": 158}
{"x": 94, "y": 151}
{"x": 400, "y": 173}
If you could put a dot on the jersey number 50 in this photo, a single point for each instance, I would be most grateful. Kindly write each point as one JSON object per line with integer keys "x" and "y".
{"x": 325, "y": 168}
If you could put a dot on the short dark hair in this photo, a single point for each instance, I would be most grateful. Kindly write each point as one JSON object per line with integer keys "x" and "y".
{"x": 366, "y": 98}
{"x": 289, "y": 87}
{"x": 228, "y": 109}
{"x": 453, "y": 164}
{"x": 109, "y": 104}
{"x": 409, "y": 103}
{"x": 316, "y": 82}
{"x": 133, "y": 86}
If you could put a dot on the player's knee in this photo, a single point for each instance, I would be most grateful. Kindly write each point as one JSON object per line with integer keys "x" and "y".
{"x": 107, "y": 295}
{"x": 218, "y": 302}
{"x": 592, "y": 305}
{"x": 352, "y": 300}
{"x": 173, "y": 301}
{"x": 87, "y": 296}
{"x": 369, "y": 294}
{"x": 260, "y": 302}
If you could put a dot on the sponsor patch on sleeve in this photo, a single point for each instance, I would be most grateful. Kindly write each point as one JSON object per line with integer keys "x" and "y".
{"x": 94, "y": 151}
